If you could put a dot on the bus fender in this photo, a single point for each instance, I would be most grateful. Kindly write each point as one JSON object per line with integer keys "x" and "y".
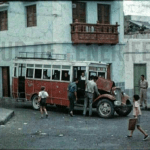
{"x": 124, "y": 98}
{"x": 32, "y": 95}
{"x": 104, "y": 96}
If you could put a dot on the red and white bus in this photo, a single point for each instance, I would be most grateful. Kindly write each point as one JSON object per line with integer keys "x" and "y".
{"x": 31, "y": 74}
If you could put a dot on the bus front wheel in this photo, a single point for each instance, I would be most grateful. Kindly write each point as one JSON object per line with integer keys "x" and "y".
{"x": 105, "y": 108}
{"x": 35, "y": 102}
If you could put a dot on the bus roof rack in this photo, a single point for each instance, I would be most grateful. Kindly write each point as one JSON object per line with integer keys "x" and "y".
{"x": 41, "y": 55}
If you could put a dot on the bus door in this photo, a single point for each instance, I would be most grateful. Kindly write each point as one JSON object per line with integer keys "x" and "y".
{"x": 21, "y": 81}
{"x": 77, "y": 72}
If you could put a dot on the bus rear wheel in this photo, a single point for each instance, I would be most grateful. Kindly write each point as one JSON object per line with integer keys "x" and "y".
{"x": 35, "y": 103}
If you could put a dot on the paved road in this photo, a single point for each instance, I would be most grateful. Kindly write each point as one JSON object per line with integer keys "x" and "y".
{"x": 60, "y": 131}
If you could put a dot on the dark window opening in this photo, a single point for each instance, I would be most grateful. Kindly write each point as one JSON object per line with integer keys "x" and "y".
{"x": 3, "y": 21}
{"x": 22, "y": 70}
{"x": 31, "y": 16}
{"x": 92, "y": 73}
{"x": 15, "y": 72}
{"x": 104, "y": 14}
{"x": 79, "y": 11}
{"x": 29, "y": 73}
{"x": 46, "y": 74}
{"x": 56, "y": 75}
{"x": 65, "y": 75}
{"x": 38, "y": 73}
{"x": 101, "y": 74}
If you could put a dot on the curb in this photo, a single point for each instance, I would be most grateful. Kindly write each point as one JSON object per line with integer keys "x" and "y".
{"x": 7, "y": 118}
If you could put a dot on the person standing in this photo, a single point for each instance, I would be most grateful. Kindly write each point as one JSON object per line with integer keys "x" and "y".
{"x": 143, "y": 91}
{"x": 42, "y": 100}
{"x": 91, "y": 87}
{"x": 137, "y": 114}
{"x": 72, "y": 88}
{"x": 65, "y": 77}
{"x": 83, "y": 77}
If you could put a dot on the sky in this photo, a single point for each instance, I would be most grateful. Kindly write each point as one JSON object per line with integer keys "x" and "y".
{"x": 140, "y": 8}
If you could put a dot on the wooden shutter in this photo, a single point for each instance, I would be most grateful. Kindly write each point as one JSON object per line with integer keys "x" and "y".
{"x": 3, "y": 21}
{"x": 104, "y": 14}
{"x": 31, "y": 16}
{"x": 79, "y": 11}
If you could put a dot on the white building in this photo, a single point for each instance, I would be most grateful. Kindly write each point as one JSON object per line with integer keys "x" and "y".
{"x": 45, "y": 27}
{"x": 137, "y": 62}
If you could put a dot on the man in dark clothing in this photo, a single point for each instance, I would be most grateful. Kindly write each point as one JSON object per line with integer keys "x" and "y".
{"x": 72, "y": 88}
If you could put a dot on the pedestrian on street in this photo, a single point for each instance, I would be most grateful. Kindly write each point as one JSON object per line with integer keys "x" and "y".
{"x": 137, "y": 114}
{"x": 91, "y": 87}
{"x": 72, "y": 88}
{"x": 143, "y": 91}
{"x": 42, "y": 99}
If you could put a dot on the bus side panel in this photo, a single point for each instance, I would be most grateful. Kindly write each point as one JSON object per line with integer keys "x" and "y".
{"x": 59, "y": 93}
{"x": 15, "y": 87}
{"x": 29, "y": 88}
{"x": 47, "y": 84}
{"x": 64, "y": 93}
{"x": 56, "y": 93}
{"x": 37, "y": 86}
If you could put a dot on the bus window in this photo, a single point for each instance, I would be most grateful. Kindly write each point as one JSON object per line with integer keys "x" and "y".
{"x": 38, "y": 66}
{"x": 46, "y": 73}
{"x": 22, "y": 70}
{"x": 101, "y": 74}
{"x": 29, "y": 73}
{"x": 92, "y": 73}
{"x": 38, "y": 73}
{"x": 15, "y": 71}
{"x": 65, "y": 75}
{"x": 56, "y": 75}
{"x": 30, "y": 65}
{"x": 56, "y": 72}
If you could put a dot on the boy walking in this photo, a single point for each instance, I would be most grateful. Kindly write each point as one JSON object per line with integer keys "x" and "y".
{"x": 42, "y": 99}
{"x": 137, "y": 114}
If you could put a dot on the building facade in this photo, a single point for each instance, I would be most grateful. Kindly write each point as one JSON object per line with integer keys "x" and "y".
{"x": 83, "y": 31}
{"x": 137, "y": 62}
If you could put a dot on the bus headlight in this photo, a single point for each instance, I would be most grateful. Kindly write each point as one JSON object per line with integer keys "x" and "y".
{"x": 117, "y": 103}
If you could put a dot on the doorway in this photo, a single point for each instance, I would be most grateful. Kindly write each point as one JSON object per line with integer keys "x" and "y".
{"x": 139, "y": 69}
{"x": 6, "y": 81}
{"x": 77, "y": 71}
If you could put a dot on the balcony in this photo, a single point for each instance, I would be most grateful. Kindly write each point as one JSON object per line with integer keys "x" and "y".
{"x": 85, "y": 33}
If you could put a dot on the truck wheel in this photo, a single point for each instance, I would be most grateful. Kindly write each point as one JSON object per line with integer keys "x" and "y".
{"x": 105, "y": 108}
{"x": 125, "y": 111}
{"x": 35, "y": 103}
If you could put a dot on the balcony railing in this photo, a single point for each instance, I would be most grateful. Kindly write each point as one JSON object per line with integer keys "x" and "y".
{"x": 94, "y": 33}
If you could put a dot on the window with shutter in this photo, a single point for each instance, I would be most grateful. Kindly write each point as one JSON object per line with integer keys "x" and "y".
{"x": 31, "y": 16}
{"x": 3, "y": 21}
{"x": 79, "y": 11}
{"x": 104, "y": 14}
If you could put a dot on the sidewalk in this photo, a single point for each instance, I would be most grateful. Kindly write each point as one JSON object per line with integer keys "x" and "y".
{"x": 5, "y": 115}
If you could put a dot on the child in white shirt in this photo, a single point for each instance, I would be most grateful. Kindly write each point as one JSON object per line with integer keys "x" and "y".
{"x": 137, "y": 114}
{"x": 42, "y": 99}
